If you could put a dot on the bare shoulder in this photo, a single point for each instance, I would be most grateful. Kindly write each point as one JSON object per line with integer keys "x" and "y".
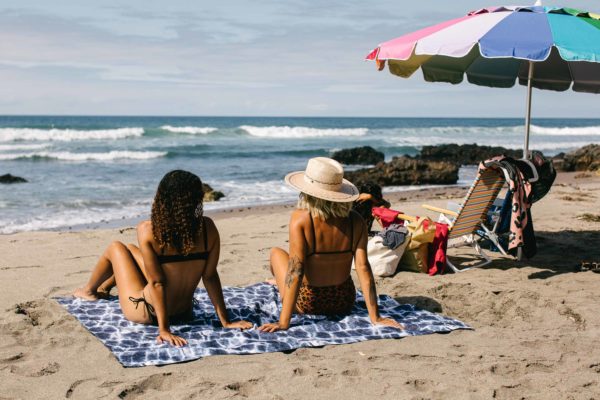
{"x": 299, "y": 218}
{"x": 209, "y": 224}
{"x": 144, "y": 231}
{"x": 359, "y": 227}
{"x": 211, "y": 231}
{"x": 357, "y": 220}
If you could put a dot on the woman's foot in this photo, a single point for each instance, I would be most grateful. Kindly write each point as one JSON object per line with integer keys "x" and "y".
{"x": 86, "y": 294}
{"x": 271, "y": 281}
{"x": 103, "y": 294}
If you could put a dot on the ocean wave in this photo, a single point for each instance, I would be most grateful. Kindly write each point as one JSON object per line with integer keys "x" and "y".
{"x": 404, "y": 143}
{"x": 66, "y": 135}
{"x": 510, "y": 129}
{"x": 244, "y": 193}
{"x": 566, "y": 131}
{"x": 193, "y": 130}
{"x": 70, "y": 218}
{"x": 296, "y": 132}
{"x": 68, "y": 156}
{"x": 13, "y": 147}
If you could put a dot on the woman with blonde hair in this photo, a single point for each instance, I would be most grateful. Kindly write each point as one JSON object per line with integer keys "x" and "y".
{"x": 178, "y": 247}
{"x": 325, "y": 236}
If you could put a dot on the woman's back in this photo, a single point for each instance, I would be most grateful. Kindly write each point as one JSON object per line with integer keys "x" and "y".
{"x": 184, "y": 272}
{"x": 330, "y": 248}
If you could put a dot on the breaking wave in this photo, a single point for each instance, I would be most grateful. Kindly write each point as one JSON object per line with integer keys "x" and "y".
{"x": 567, "y": 131}
{"x": 193, "y": 130}
{"x": 296, "y": 132}
{"x": 68, "y": 156}
{"x": 66, "y": 135}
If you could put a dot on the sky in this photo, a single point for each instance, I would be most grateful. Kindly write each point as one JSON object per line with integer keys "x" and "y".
{"x": 238, "y": 58}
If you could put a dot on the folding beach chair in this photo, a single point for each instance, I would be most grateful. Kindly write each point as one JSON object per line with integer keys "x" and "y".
{"x": 469, "y": 223}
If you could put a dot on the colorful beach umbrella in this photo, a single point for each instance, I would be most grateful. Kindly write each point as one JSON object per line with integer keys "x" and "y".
{"x": 549, "y": 48}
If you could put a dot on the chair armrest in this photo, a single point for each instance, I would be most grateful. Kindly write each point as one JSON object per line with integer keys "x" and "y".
{"x": 440, "y": 210}
{"x": 406, "y": 217}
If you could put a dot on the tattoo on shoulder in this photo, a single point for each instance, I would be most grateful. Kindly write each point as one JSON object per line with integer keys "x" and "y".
{"x": 295, "y": 270}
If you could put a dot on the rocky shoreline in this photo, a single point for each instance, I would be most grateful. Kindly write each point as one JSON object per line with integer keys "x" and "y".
{"x": 440, "y": 164}
{"x": 434, "y": 165}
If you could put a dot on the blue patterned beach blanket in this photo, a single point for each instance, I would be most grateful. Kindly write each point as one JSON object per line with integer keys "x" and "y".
{"x": 135, "y": 345}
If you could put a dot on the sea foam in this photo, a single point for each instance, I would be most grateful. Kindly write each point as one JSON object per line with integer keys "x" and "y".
{"x": 300, "y": 131}
{"x": 66, "y": 135}
{"x": 193, "y": 130}
{"x": 69, "y": 156}
{"x": 70, "y": 218}
{"x": 567, "y": 131}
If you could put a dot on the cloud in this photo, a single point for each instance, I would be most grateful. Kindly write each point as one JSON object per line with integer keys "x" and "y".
{"x": 266, "y": 57}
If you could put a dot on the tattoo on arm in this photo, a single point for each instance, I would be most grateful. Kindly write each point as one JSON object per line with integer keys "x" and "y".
{"x": 295, "y": 269}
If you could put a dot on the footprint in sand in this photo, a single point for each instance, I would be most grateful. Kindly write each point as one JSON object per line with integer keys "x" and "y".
{"x": 49, "y": 369}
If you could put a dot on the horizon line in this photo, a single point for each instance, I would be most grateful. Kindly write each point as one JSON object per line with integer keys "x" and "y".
{"x": 278, "y": 116}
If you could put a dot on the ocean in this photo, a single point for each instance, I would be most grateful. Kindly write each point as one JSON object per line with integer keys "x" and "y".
{"x": 95, "y": 171}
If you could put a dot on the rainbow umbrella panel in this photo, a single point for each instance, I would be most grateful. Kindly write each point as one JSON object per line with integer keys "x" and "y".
{"x": 543, "y": 47}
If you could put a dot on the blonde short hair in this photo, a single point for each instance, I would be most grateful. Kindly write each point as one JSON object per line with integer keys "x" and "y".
{"x": 323, "y": 209}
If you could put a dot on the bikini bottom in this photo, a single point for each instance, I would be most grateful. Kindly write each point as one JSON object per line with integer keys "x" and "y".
{"x": 175, "y": 319}
{"x": 327, "y": 300}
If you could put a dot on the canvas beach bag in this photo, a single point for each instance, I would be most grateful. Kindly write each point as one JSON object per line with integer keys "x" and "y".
{"x": 417, "y": 252}
{"x": 384, "y": 261}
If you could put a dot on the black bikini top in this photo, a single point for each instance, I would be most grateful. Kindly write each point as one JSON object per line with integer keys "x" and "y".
{"x": 314, "y": 244}
{"x": 202, "y": 255}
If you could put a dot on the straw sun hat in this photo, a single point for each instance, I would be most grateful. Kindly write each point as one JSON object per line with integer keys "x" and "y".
{"x": 324, "y": 179}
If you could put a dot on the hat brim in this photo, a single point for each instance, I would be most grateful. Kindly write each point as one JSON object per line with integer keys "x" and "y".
{"x": 347, "y": 193}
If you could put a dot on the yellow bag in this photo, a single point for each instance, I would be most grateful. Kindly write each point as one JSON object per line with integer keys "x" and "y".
{"x": 417, "y": 253}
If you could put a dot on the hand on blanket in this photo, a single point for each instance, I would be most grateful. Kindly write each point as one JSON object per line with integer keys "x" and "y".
{"x": 173, "y": 340}
{"x": 242, "y": 325}
{"x": 388, "y": 322}
{"x": 274, "y": 327}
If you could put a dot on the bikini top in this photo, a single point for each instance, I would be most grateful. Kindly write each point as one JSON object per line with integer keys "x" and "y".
{"x": 202, "y": 255}
{"x": 314, "y": 244}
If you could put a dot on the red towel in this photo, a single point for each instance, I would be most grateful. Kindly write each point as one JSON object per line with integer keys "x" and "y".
{"x": 386, "y": 216}
{"x": 437, "y": 251}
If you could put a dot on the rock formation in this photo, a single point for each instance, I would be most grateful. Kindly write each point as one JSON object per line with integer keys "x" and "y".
{"x": 365, "y": 155}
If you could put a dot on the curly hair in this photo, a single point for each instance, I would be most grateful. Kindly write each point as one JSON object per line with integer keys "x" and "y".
{"x": 176, "y": 211}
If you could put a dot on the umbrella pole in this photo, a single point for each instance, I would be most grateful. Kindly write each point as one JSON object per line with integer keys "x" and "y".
{"x": 528, "y": 117}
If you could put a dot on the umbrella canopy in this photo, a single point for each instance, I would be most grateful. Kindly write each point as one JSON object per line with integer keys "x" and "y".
{"x": 544, "y": 47}
{"x": 493, "y": 47}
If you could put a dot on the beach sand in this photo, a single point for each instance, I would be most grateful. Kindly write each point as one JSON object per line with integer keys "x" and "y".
{"x": 536, "y": 322}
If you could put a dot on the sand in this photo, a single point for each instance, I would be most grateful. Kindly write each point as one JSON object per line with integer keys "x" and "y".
{"x": 536, "y": 322}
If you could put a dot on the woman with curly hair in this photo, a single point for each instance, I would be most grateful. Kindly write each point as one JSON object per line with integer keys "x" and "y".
{"x": 325, "y": 237}
{"x": 177, "y": 248}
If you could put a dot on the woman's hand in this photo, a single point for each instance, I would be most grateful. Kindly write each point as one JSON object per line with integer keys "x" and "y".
{"x": 388, "y": 322}
{"x": 242, "y": 325}
{"x": 364, "y": 197}
{"x": 168, "y": 337}
{"x": 274, "y": 327}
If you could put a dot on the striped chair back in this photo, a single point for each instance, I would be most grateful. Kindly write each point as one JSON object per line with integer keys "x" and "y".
{"x": 479, "y": 198}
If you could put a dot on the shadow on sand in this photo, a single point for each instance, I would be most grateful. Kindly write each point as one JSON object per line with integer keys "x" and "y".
{"x": 422, "y": 302}
{"x": 558, "y": 253}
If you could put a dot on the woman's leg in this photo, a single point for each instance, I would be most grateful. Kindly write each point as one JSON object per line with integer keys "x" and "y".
{"x": 137, "y": 256}
{"x": 279, "y": 265}
{"x": 118, "y": 260}
{"x": 104, "y": 289}
{"x": 102, "y": 272}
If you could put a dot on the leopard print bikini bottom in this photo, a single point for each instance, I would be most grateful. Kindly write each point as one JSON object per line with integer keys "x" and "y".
{"x": 326, "y": 300}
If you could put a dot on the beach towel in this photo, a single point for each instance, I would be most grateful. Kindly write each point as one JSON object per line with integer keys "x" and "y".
{"x": 134, "y": 345}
